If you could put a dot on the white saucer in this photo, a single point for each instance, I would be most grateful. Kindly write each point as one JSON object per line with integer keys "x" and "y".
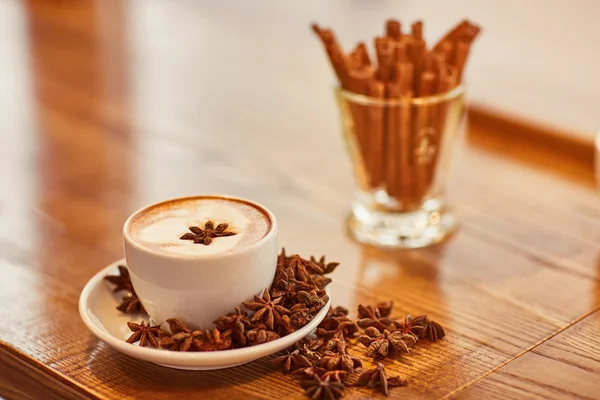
{"x": 97, "y": 307}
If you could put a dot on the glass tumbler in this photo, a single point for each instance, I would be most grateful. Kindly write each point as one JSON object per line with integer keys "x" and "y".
{"x": 400, "y": 150}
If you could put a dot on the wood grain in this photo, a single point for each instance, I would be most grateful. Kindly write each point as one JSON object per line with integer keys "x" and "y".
{"x": 120, "y": 107}
{"x": 564, "y": 367}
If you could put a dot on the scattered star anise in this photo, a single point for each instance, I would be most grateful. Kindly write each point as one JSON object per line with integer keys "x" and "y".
{"x": 344, "y": 330}
{"x": 411, "y": 326}
{"x": 310, "y": 372}
{"x": 376, "y": 378}
{"x": 323, "y": 389}
{"x": 131, "y": 304}
{"x": 386, "y": 343}
{"x": 266, "y": 309}
{"x": 292, "y": 361}
{"x": 432, "y": 331}
{"x": 144, "y": 333}
{"x": 121, "y": 281}
{"x": 340, "y": 360}
{"x": 372, "y": 316}
{"x": 310, "y": 348}
{"x": 206, "y": 235}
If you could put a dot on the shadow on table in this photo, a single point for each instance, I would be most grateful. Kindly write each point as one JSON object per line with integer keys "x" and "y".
{"x": 111, "y": 368}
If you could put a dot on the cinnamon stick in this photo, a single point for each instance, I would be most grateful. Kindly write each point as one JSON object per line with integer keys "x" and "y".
{"x": 407, "y": 177}
{"x": 460, "y": 56}
{"x": 385, "y": 54}
{"x": 417, "y": 30}
{"x": 392, "y": 173}
{"x": 448, "y": 79}
{"x": 423, "y": 136}
{"x": 377, "y": 136}
{"x": 393, "y": 29}
{"x": 358, "y": 82}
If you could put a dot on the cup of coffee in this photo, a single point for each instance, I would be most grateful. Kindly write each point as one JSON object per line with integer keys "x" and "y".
{"x": 197, "y": 258}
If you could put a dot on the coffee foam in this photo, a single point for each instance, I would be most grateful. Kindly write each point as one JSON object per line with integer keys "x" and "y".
{"x": 161, "y": 226}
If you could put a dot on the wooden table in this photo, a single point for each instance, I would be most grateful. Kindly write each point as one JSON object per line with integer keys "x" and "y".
{"x": 107, "y": 106}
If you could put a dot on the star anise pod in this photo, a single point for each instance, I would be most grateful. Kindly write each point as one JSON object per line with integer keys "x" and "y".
{"x": 206, "y": 235}
{"x": 182, "y": 341}
{"x": 144, "y": 333}
{"x": 327, "y": 268}
{"x": 310, "y": 348}
{"x": 376, "y": 378}
{"x": 336, "y": 375}
{"x": 292, "y": 361}
{"x": 322, "y": 389}
{"x": 131, "y": 304}
{"x": 314, "y": 300}
{"x": 260, "y": 334}
{"x": 228, "y": 321}
{"x": 213, "y": 341}
{"x": 411, "y": 326}
{"x": 386, "y": 343}
{"x": 338, "y": 311}
{"x": 320, "y": 281}
{"x": 304, "y": 265}
{"x": 300, "y": 315}
{"x": 310, "y": 372}
{"x": 372, "y": 316}
{"x": 121, "y": 281}
{"x": 340, "y": 360}
{"x": 176, "y": 326}
{"x": 432, "y": 331}
{"x": 283, "y": 288}
{"x": 266, "y": 309}
{"x": 344, "y": 330}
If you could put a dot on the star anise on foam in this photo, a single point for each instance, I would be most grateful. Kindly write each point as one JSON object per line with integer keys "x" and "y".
{"x": 131, "y": 304}
{"x": 205, "y": 236}
{"x": 146, "y": 334}
{"x": 373, "y": 316}
{"x": 340, "y": 359}
{"x": 323, "y": 389}
{"x": 432, "y": 331}
{"x": 411, "y": 326}
{"x": 386, "y": 343}
{"x": 376, "y": 378}
{"x": 266, "y": 309}
{"x": 291, "y": 361}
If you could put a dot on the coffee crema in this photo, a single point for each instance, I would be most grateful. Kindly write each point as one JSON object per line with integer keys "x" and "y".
{"x": 161, "y": 226}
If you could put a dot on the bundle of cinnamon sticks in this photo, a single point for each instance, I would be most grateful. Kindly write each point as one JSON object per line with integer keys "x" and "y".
{"x": 399, "y": 143}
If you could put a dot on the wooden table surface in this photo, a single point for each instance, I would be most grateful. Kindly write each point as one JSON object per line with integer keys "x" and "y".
{"x": 107, "y": 106}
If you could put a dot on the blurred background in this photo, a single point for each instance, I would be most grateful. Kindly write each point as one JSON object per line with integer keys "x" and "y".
{"x": 536, "y": 59}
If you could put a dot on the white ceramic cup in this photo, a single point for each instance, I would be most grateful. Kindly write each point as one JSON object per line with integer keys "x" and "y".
{"x": 197, "y": 289}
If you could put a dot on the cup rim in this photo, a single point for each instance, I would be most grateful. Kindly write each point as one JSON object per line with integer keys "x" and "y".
{"x": 365, "y": 100}
{"x": 127, "y": 225}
